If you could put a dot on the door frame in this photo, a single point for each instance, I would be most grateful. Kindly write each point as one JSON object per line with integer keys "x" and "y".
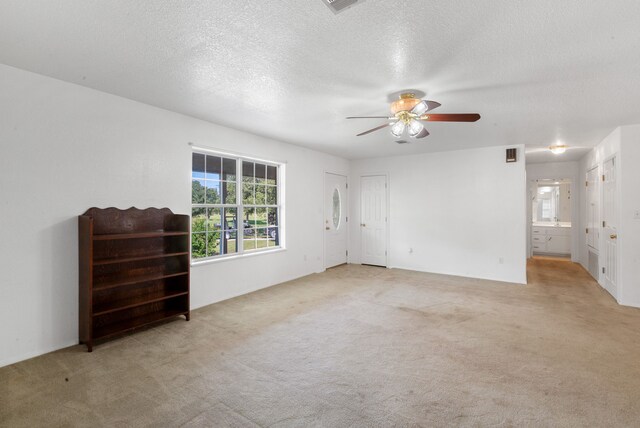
{"x": 347, "y": 207}
{"x": 387, "y": 209}
{"x": 575, "y": 209}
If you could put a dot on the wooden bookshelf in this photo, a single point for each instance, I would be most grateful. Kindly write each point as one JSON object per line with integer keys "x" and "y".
{"x": 133, "y": 269}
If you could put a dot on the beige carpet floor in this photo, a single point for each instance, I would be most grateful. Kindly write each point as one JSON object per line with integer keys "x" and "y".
{"x": 357, "y": 346}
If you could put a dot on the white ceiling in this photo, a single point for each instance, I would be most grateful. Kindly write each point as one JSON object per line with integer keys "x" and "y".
{"x": 537, "y": 71}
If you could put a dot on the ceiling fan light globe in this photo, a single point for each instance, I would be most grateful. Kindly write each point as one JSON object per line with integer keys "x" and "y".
{"x": 420, "y": 108}
{"x": 397, "y": 128}
{"x": 414, "y": 128}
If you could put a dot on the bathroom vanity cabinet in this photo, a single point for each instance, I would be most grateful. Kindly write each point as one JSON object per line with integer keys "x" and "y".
{"x": 551, "y": 239}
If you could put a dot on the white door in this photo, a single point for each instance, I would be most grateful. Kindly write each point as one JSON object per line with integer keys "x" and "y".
{"x": 593, "y": 207}
{"x": 610, "y": 228}
{"x": 335, "y": 220}
{"x": 373, "y": 219}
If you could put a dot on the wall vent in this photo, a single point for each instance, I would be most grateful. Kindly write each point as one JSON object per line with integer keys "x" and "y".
{"x": 593, "y": 264}
{"x": 338, "y": 6}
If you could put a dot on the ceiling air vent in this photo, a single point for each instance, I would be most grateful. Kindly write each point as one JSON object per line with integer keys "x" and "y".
{"x": 338, "y": 6}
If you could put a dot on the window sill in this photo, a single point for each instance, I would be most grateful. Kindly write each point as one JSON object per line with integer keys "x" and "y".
{"x": 235, "y": 257}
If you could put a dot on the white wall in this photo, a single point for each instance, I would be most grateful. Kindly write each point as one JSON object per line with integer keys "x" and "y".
{"x": 65, "y": 148}
{"x": 559, "y": 170}
{"x": 460, "y": 212}
{"x": 629, "y": 236}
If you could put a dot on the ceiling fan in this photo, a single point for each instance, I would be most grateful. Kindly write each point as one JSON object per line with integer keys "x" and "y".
{"x": 408, "y": 114}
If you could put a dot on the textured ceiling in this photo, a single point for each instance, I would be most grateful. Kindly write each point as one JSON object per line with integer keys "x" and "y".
{"x": 537, "y": 72}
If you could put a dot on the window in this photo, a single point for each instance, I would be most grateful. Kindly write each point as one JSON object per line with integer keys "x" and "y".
{"x": 235, "y": 206}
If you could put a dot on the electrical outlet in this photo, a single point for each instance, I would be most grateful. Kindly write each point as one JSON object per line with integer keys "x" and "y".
{"x": 501, "y": 261}
{"x": 636, "y": 214}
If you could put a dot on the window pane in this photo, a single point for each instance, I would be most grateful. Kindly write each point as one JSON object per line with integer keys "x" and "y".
{"x": 272, "y": 216}
{"x": 261, "y": 217}
{"x": 198, "y": 218}
{"x": 197, "y": 165}
{"x": 272, "y": 195}
{"x": 248, "y": 194}
{"x": 213, "y": 192}
{"x": 261, "y": 238}
{"x": 197, "y": 191}
{"x": 249, "y": 220}
{"x": 261, "y": 173}
{"x": 213, "y": 219}
{"x": 213, "y": 243}
{"x": 273, "y": 237}
{"x": 230, "y": 217}
{"x": 249, "y": 243}
{"x": 228, "y": 169}
{"x": 247, "y": 172}
{"x": 228, "y": 192}
{"x": 336, "y": 208}
{"x": 261, "y": 196}
{"x": 214, "y": 164}
{"x": 272, "y": 175}
{"x": 198, "y": 245}
{"x": 230, "y": 241}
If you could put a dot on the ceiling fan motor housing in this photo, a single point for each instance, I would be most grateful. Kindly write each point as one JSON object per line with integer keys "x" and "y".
{"x": 406, "y": 102}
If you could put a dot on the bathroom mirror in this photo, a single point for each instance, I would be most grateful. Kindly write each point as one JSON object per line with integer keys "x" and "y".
{"x": 552, "y": 202}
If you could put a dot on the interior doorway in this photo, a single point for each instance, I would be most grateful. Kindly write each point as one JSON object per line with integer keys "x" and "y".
{"x": 551, "y": 214}
{"x": 335, "y": 219}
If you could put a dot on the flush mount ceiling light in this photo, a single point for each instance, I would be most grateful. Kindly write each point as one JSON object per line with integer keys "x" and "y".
{"x": 410, "y": 112}
{"x": 558, "y": 149}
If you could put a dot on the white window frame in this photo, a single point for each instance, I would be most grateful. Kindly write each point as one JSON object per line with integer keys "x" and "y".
{"x": 240, "y": 207}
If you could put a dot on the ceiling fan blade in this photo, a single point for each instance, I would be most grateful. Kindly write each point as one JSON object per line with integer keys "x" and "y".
{"x": 422, "y": 133}
{"x": 374, "y": 129}
{"x": 368, "y": 117}
{"x": 451, "y": 117}
{"x": 424, "y": 106}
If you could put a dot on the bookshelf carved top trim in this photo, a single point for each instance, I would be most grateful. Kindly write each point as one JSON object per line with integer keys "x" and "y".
{"x": 132, "y": 220}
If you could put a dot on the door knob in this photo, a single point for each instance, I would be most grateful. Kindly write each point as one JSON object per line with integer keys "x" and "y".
{"x": 327, "y": 228}
{"x": 613, "y": 236}
{"x": 362, "y": 224}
